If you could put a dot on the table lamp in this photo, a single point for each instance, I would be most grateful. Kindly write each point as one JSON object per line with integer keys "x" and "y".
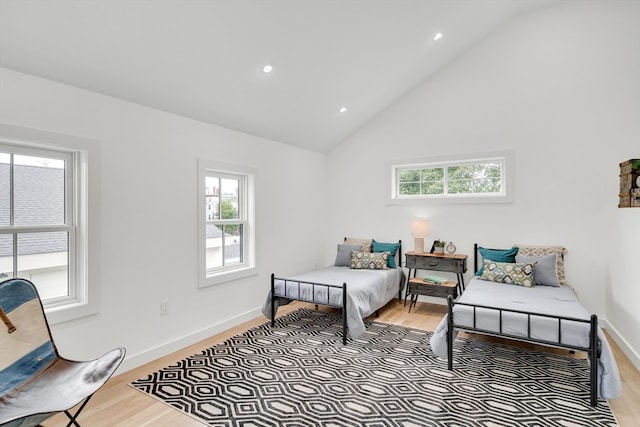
{"x": 419, "y": 229}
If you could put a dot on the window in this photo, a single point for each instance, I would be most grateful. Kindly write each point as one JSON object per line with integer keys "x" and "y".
{"x": 471, "y": 178}
{"x": 36, "y": 195}
{"x": 43, "y": 217}
{"x": 226, "y": 226}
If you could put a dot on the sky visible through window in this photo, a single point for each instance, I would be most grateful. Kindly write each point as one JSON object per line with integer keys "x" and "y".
{"x": 32, "y": 161}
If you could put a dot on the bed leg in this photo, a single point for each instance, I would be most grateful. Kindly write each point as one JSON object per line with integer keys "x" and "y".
{"x": 595, "y": 358}
{"x": 450, "y": 333}
{"x": 273, "y": 300}
{"x": 344, "y": 314}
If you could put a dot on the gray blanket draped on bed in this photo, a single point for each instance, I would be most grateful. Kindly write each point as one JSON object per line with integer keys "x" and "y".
{"x": 539, "y": 299}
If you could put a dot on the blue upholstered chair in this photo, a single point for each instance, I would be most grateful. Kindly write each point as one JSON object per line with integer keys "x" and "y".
{"x": 35, "y": 381}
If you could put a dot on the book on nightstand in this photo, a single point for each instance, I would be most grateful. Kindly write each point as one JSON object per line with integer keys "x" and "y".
{"x": 435, "y": 279}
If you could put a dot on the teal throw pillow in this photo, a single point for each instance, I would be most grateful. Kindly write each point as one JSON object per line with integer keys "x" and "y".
{"x": 497, "y": 255}
{"x": 392, "y": 248}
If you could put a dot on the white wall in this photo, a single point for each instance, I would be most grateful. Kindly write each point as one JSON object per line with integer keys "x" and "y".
{"x": 148, "y": 199}
{"x": 558, "y": 86}
{"x": 561, "y": 88}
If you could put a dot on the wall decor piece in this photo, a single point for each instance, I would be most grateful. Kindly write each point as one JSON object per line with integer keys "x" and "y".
{"x": 630, "y": 184}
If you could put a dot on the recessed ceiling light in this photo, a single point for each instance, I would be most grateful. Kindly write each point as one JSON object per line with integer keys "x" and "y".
{"x": 343, "y": 109}
{"x": 267, "y": 68}
{"x": 437, "y": 36}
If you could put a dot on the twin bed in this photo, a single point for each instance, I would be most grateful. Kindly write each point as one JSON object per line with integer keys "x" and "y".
{"x": 525, "y": 299}
{"x": 366, "y": 275}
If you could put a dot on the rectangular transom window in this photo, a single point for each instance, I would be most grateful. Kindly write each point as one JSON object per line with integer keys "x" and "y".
{"x": 226, "y": 235}
{"x": 471, "y": 178}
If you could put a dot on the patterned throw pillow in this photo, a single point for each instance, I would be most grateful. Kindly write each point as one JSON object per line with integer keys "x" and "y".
{"x": 515, "y": 273}
{"x": 530, "y": 250}
{"x": 364, "y": 243}
{"x": 369, "y": 260}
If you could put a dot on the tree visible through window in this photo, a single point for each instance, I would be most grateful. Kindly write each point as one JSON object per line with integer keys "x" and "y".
{"x": 224, "y": 226}
{"x": 451, "y": 179}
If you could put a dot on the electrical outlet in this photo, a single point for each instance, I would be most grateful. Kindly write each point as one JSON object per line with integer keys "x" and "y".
{"x": 164, "y": 308}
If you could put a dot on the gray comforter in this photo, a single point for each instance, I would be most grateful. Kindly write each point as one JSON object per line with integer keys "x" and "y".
{"x": 560, "y": 301}
{"x": 367, "y": 291}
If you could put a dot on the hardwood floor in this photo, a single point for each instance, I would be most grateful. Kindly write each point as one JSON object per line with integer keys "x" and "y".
{"x": 118, "y": 404}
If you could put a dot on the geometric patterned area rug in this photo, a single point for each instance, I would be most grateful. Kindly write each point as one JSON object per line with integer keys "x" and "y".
{"x": 299, "y": 374}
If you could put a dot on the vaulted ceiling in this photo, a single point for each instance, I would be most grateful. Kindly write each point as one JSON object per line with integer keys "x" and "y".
{"x": 204, "y": 59}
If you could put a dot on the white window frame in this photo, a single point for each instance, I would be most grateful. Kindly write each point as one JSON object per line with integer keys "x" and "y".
{"x": 504, "y": 158}
{"x": 84, "y": 278}
{"x": 247, "y": 182}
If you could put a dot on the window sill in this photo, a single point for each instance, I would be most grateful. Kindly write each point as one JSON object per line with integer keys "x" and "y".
{"x": 226, "y": 276}
{"x": 449, "y": 200}
{"x": 68, "y": 312}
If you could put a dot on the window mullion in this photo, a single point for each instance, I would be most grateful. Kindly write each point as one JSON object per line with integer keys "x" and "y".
{"x": 445, "y": 177}
{"x": 36, "y": 229}
{"x": 15, "y": 255}
{"x": 223, "y": 248}
{"x": 11, "y": 193}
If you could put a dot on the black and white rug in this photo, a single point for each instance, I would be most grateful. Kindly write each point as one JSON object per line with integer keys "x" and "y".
{"x": 298, "y": 373}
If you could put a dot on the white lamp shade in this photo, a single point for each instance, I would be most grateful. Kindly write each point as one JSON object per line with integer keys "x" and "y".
{"x": 419, "y": 227}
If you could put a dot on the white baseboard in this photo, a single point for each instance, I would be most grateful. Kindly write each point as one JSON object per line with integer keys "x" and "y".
{"x": 152, "y": 354}
{"x": 633, "y": 356}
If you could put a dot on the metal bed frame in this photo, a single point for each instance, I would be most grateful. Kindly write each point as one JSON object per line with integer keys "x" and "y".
{"x": 315, "y": 285}
{"x": 592, "y": 349}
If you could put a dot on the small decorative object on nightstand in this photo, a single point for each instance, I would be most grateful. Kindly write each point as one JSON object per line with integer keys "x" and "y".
{"x": 451, "y": 248}
{"x": 438, "y": 247}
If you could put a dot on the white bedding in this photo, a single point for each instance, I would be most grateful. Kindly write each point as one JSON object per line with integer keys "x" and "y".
{"x": 559, "y": 301}
{"x": 367, "y": 291}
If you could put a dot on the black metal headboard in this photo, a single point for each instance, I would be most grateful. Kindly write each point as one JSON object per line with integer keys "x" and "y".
{"x": 475, "y": 258}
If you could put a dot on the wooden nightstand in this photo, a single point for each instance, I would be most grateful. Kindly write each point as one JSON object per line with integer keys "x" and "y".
{"x": 418, "y": 286}
{"x": 456, "y": 263}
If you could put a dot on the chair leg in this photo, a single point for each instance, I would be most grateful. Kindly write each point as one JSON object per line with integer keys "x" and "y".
{"x": 72, "y": 418}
